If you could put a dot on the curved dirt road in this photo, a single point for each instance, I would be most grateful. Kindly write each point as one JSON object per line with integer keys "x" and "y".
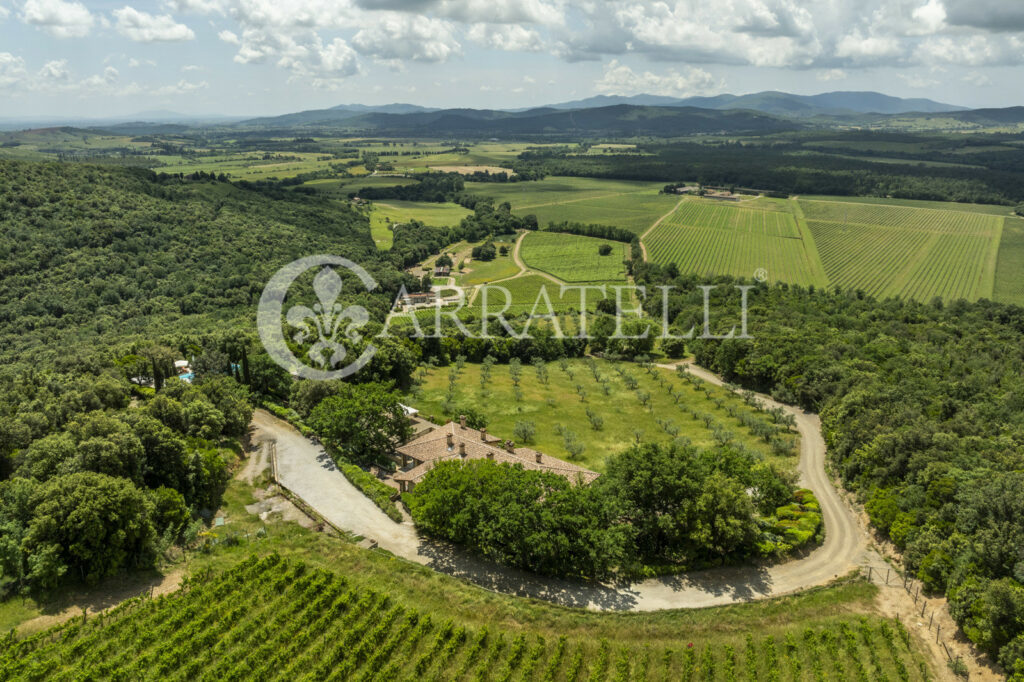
{"x": 306, "y": 470}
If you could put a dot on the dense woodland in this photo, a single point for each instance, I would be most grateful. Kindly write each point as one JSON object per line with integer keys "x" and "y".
{"x": 922, "y": 409}
{"x": 795, "y": 165}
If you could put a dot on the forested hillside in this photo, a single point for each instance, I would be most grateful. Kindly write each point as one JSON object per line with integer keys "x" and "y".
{"x": 107, "y": 276}
{"x": 90, "y": 253}
{"x": 922, "y": 409}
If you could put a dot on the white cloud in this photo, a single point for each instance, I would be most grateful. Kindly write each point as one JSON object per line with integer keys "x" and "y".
{"x": 508, "y": 37}
{"x": 229, "y": 37}
{"x": 55, "y": 71}
{"x": 619, "y": 79}
{"x": 192, "y": 67}
{"x": 831, "y": 75}
{"x": 861, "y": 48}
{"x": 931, "y": 17}
{"x": 59, "y": 18}
{"x": 12, "y": 70}
{"x": 977, "y": 79}
{"x": 406, "y": 37}
{"x": 180, "y": 88}
{"x": 4, "y": 12}
{"x": 143, "y": 27}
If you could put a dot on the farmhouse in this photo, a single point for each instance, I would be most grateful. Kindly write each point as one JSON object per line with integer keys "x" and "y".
{"x": 419, "y": 298}
{"x": 456, "y": 441}
{"x": 442, "y": 271}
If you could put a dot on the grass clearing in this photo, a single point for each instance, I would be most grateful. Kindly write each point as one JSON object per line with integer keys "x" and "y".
{"x": 560, "y": 402}
{"x": 524, "y": 292}
{"x": 574, "y": 258}
{"x": 627, "y": 204}
{"x": 481, "y": 272}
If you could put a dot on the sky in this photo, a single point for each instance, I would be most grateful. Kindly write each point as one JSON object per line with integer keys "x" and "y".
{"x": 68, "y": 58}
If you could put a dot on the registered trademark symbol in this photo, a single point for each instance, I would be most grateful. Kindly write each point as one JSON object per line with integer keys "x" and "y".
{"x": 761, "y": 275}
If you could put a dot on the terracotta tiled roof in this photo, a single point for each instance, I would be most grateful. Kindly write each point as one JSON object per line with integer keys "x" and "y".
{"x": 433, "y": 447}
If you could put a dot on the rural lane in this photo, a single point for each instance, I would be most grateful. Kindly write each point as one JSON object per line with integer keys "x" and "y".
{"x": 308, "y": 472}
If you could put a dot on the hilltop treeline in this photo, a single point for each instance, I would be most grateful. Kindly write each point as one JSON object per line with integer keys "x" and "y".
{"x": 107, "y": 276}
{"x": 922, "y": 409}
{"x": 787, "y": 165}
{"x": 617, "y": 234}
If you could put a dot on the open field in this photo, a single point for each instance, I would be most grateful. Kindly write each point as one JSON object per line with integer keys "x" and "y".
{"x": 560, "y": 402}
{"x": 523, "y": 294}
{"x": 919, "y": 253}
{"x": 574, "y": 258}
{"x": 712, "y": 238}
{"x": 630, "y": 205}
{"x": 1009, "y": 278}
{"x": 386, "y": 213}
{"x": 480, "y": 272}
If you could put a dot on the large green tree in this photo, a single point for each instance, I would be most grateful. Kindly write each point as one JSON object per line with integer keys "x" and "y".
{"x": 362, "y": 423}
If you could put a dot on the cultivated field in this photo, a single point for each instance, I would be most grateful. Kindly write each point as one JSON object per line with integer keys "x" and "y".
{"x": 388, "y": 212}
{"x": 574, "y": 258}
{"x": 711, "y": 238}
{"x": 630, "y": 205}
{"x": 279, "y": 619}
{"x": 919, "y": 253}
{"x": 523, "y": 292}
{"x": 1009, "y": 280}
{"x": 608, "y": 391}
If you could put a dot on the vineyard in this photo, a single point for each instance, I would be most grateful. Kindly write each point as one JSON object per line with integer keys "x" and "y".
{"x": 1009, "y": 285}
{"x": 275, "y": 619}
{"x": 917, "y": 253}
{"x": 710, "y": 238}
{"x": 574, "y": 258}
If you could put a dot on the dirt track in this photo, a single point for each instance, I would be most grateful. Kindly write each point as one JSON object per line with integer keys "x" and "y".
{"x": 307, "y": 471}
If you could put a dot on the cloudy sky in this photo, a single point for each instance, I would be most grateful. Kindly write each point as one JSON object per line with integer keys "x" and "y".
{"x": 251, "y": 57}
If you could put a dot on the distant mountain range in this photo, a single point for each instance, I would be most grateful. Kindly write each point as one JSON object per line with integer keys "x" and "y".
{"x": 652, "y": 114}
{"x": 620, "y": 119}
{"x": 780, "y": 103}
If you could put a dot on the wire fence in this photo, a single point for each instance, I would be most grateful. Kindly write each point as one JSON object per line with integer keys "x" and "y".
{"x": 894, "y": 578}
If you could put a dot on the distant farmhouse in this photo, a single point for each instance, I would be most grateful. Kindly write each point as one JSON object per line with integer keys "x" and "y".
{"x": 442, "y": 271}
{"x": 456, "y": 441}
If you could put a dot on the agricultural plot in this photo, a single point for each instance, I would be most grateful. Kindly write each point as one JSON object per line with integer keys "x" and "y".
{"x": 275, "y": 619}
{"x": 1009, "y": 279}
{"x": 918, "y": 253}
{"x": 630, "y": 205}
{"x": 481, "y": 272}
{"x": 574, "y": 258}
{"x": 607, "y": 406}
{"x": 710, "y": 238}
{"x": 524, "y": 292}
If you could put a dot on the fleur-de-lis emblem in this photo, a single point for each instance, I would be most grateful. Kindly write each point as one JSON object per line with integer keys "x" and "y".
{"x": 326, "y": 321}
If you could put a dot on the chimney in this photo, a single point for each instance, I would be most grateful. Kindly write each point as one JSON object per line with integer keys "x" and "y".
{"x": 451, "y": 441}
{"x": 462, "y": 449}
{"x": 462, "y": 420}
{"x": 538, "y": 458}
{"x": 483, "y": 433}
{"x": 510, "y": 446}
